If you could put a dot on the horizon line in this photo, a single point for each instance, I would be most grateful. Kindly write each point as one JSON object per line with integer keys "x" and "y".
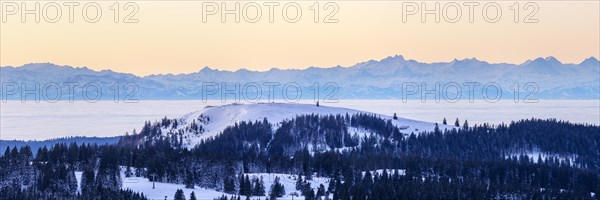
{"x": 309, "y": 67}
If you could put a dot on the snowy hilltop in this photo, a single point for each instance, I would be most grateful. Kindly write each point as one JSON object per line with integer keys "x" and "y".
{"x": 212, "y": 120}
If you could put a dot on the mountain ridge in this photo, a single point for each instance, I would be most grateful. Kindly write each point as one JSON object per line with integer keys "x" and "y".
{"x": 370, "y": 79}
{"x": 590, "y": 59}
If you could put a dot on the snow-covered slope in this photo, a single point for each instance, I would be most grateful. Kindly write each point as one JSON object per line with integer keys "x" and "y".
{"x": 214, "y": 120}
{"x": 162, "y": 190}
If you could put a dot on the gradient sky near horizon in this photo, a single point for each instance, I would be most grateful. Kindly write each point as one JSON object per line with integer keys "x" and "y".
{"x": 171, "y": 37}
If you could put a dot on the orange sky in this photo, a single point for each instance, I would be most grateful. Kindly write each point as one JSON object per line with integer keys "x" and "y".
{"x": 171, "y": 37}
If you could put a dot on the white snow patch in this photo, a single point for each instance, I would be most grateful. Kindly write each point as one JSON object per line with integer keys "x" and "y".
{"x": 167, "y": 190}
{"x": 78, "y": 177}
{"x": 360, "y": 132}
{"x": 289, "y": 182}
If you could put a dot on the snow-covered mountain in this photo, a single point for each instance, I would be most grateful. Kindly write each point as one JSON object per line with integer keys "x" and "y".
{"x": 212, "y": 120}
{"x": 372, "y": 79}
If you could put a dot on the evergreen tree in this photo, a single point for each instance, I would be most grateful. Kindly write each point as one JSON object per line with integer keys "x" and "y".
{"x": 299, "y": 183}
{"x": 193, "y": 196}
{"x": 277, "y": 189}
{"x": 87, "y": 180}
{"x": 222, "y": 197}
{"x": 309, "y": 194}
{"x": 228, "y": 186}
{"x": 395, "y": 116}
{"x": 259, "y": 187}
{"x": 444, "y": 122}
{"x": 189, "y": 180}
{"x": 331, "y": 186}
{"x": 456, "y": 123}
{"x": 128, "y": 172}
{"x": 242, "y": 184}
{"x": 247, "y": 186}
{"x": 179, "y": 195}
{"x": 466, "y": 125}
{"x": 320, "y": 191}
{"x": 436, "y": 129}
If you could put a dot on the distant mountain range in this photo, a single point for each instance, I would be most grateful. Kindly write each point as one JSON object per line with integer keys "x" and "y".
{"x": 383, "y": 79}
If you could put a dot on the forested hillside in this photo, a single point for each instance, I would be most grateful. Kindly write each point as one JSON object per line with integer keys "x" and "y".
{"x": 527, "y": 159}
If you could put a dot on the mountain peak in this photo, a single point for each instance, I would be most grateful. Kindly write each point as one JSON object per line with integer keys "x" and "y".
{"x": 467, "y": 60}
{"x": 243, "y": 70}
{"x": 590, "y": 61}
{"x": 393, "y": 58}
{"x": 552, "y": 59}
{"x": 206, "y": 69}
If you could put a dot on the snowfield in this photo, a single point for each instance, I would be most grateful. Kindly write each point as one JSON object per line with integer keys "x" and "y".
{"x": 167, "y": 190}
{"x": 214, "y": 119}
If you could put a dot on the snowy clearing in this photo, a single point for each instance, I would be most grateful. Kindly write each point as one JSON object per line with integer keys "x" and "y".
{"x": 162, "y": 190}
